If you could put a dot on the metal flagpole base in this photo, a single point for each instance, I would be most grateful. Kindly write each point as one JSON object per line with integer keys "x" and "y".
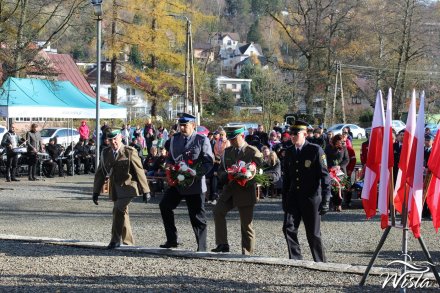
{"x": 376, "y": 253}
{"x": 429, "y": 258}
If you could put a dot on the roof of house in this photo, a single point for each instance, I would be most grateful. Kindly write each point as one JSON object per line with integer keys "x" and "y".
{"x": 234, "y": 36}
{"x": 202, "y": 46}
{"x": 244, "y": 47}
{"x": 67, "y": 70}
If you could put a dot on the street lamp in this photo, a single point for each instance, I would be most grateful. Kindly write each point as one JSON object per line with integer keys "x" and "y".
{"x": 189, "y": 64}
{"x": 97, "y": 9}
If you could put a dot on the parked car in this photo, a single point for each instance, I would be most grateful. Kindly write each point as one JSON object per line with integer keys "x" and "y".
{"x": 358, "y": 132}
{"x": 397, "y": 126}
{"x": 64, "y": 135}
{"x": 3, "y": 130}
{"x": 433, "y": 127}
{"x": 202, "y": 130}
{"x": 246, "y": 125}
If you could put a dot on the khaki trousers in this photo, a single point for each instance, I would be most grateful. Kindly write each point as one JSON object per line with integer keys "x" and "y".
{"x": 121, "y": 228}
{"x": 247, "y": 232}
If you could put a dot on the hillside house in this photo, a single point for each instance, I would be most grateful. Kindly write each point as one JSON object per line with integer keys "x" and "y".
{"x": 235, "y": 85}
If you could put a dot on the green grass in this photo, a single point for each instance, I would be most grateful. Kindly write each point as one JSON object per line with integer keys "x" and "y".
{"x": 357, "y": 148}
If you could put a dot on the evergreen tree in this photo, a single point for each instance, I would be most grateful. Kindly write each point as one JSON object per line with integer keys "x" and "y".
{"x": 246, "y": 96}
{"x": 254, "y": 34}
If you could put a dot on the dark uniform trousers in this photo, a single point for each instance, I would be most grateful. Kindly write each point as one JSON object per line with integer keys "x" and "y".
{"x": 121, "y": 228}
{"x": 305, "y": 208}
{"x": 246, "y": 217}
{"x": 306, "y": 181}
{"x": 197, "y": 215}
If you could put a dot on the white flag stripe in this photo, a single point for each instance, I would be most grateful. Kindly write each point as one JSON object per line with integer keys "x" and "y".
{"x": 417, "y": 189}
{"x": 384, "y": 171}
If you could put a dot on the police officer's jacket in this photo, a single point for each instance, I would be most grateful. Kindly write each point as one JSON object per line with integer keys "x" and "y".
{"x": 305, "y": 175}
{"x": 197, "y": 149}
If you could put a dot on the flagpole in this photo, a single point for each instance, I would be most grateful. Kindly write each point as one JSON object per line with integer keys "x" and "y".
{"x": 404, "y": 222}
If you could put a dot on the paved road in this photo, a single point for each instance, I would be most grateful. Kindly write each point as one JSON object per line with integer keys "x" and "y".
{"x": 62, "y": 208}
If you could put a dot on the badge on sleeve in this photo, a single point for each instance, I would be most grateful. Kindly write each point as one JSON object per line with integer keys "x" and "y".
{"x": 307, "y": 163}
{"x": 324, "y": 160}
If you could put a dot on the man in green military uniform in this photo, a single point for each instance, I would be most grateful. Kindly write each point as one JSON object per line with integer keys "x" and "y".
{"x": 235, "y": 195}
{"x": 122, "y": 166}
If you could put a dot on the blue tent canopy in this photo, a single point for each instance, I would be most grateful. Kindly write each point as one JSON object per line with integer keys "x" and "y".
{"x": 30, "y": 97}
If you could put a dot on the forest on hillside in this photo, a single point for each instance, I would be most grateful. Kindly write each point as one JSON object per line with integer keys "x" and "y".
{"x": 394, "y": 43}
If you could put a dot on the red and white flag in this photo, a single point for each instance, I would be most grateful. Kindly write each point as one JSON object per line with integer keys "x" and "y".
{"x": 415, "y": 173}
{"x": 406, "y": 159}
{"x": 433, "y": 191}
{"x": 387, "y": 161}
{"x": 372, "y": 168}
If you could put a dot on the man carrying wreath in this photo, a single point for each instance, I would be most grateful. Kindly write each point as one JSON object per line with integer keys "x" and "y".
{"x": 189, "y": 149}
{"x": 242, "y": 196}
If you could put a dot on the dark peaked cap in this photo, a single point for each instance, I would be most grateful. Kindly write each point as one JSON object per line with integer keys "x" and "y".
{"x": 186, "y": 118}
{"x": 299, "y": 125}
{"x": 233, "y": 131}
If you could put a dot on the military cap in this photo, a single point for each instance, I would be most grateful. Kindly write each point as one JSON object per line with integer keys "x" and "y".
{"x": 299, "y": 125}
{"x": 185, "y": 118}
{"x": 402, "y": 131}
{"x": 113, "y": 133}
{"x": 233, "y": 131}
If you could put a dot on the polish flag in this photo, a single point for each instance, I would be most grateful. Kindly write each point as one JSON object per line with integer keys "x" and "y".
{"x": 433, "y": 200}
{"x": 433, "y": 191}
{"x": 372, "y": 170}
{"x": 387, "y": 161}
{"x": 415, "y": 179}
{"x": 406, "y": 159}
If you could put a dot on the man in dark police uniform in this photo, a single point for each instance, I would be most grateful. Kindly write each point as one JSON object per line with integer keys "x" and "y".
{"x": 306, "y": 192}
{"x": 186, "y": 146}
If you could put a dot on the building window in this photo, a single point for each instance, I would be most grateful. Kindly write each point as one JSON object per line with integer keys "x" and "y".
{"x": 109, "y": 92}
{"x": 234, "y": 86}
{"x": 127, "y": 91}
{"x": 133, "y": 92}
{"x": 229, "y": 42}
{"x": 356, "y": 100}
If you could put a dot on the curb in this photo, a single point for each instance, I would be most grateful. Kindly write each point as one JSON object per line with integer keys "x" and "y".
{"x": 227, "y": 257}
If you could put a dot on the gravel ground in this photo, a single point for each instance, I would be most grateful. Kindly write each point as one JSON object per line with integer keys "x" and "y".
{"x": 62, "y": 208}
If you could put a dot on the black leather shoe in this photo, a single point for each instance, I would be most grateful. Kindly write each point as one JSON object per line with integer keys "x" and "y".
{"x": 221, "y": 248}
{"x": 35, "y": 179}
{"x": 15, "y": 179}
{"x": 31, "y": 179}
{"x": 169, "y": 245}
{"x": 8, "y": 180}
{"x": 113, "y": 245}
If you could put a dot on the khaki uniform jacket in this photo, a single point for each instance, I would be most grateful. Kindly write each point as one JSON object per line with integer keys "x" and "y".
{"x": 127, "y": 176}
{"x": 241, "y": 196}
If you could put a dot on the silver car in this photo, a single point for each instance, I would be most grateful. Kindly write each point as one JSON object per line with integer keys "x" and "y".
{"x": 64, "y": 135}
{"x": 358, "y": 132}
